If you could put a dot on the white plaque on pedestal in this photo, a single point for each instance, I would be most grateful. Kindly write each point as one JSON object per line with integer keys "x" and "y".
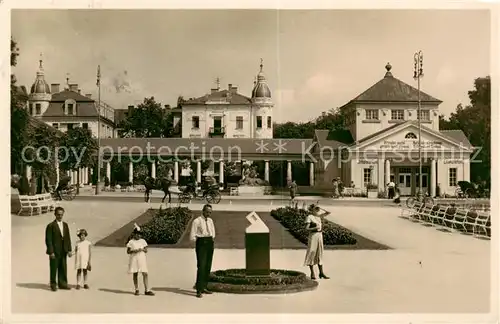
{"x": 256, "y": 224}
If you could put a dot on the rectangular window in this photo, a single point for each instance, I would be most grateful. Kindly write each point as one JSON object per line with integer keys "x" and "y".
{"x": 70, "y": 109}
{"x": 425, "y": 115}
{"x": 85, "y": 125}
{"x": 196, "y": 122}
{"x": 367, "y": 176}
{"x": 70, "y": 126}
{"x": 38, "y": 109}
{"x": 269, "y": 122}
{"x": 31, "y": 109}
{"x": 239, "y": 122}
{"x": 371, "y": 114}
{"x": 55, "y": 125}
{"x": 452, "y": 177}
{"x": 259, "y": 121}
{"x": 397, "y": 114}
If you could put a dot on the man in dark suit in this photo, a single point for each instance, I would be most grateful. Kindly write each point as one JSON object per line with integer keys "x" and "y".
{"x": 58, "y": 242}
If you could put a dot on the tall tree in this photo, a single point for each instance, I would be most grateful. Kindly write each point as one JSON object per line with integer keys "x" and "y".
{"x": 474, "y": 120}
{"x": 81, "y": 147}
{"x": 19, "y": 118}
{"x": 148, "y": 119}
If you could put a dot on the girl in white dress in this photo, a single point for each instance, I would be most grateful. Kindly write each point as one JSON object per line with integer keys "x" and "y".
{"x": 137, "y": 248}
{"x": 314, "y": 254}
{"x": 82, "y": 258}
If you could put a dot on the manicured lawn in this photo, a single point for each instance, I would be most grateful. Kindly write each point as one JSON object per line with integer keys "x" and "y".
{"x": 230, "y": 233}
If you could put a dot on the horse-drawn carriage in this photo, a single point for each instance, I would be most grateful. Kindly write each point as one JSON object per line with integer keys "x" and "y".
{"x": 467, "y": 189}
{"x": 186, "y": 193}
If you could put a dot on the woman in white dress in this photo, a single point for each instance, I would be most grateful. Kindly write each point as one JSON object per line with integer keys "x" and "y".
{"x": 82, "y": 258}
{"x": 314, "y": 255}
{"x": 137, "y": 248}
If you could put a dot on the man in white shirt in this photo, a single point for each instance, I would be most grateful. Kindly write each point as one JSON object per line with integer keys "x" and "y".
{"x": 203, "y": 233}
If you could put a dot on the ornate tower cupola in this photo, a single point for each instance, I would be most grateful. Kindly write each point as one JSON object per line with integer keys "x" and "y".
{"x": 261, "y": 92}
{"x": 262, "y": 107}
{"x": 40, "y": 90}
{"x": 40, "y": 96}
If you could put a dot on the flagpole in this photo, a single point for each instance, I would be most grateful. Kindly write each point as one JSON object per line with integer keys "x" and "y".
{"x": 98, "y": 129}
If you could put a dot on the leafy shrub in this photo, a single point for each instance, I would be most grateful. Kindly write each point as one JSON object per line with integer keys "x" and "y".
{"x": 294, "y": 220}
{"x": 106, "y": 182}
{"x": 167, "y": 226}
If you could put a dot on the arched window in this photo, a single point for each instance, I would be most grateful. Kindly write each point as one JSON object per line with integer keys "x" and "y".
{"x": 411, "y": 136}
{"x": 70, "y": 107}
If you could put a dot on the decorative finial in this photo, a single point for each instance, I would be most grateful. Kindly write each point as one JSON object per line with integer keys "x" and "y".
{"x": 217, "y": 82}
{"x": 388, "y": 67}
{"x": 67, "y": 80}
{"x": 261, "y": 64}
{"x": 41, "y": 61}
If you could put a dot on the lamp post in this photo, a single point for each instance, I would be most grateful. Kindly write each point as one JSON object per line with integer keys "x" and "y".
{"x": 418, "y": 72}
{"x": 98, "y": 129}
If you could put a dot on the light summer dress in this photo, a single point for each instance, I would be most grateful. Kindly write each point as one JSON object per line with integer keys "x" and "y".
{"x": 82, "y": 254}
{"x": 137, "y": 261}
{"x": 314, "y": 254}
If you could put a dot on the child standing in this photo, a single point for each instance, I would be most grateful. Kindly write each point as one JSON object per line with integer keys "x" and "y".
{"x": 137, "y": 249}
{"x": 82, "y": 258}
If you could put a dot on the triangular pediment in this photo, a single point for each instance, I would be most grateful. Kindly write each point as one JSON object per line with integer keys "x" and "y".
{"x": 405, "y": 137}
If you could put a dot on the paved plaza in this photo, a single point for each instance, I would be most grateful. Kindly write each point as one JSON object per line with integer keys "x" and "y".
{"x": 426, "y": 271}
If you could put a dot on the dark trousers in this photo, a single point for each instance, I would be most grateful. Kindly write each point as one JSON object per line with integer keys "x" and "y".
{"x": 391, "y": 193}
{"x": 204, "y": 255}
{"x": 58, "y": 268}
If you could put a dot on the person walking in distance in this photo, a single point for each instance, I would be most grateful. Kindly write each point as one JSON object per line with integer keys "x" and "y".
{"x": 391, "y": 186}
{"x": 293, "y": 190}
{"x": 58, "y": 244}
{"x": 203, "y": 234}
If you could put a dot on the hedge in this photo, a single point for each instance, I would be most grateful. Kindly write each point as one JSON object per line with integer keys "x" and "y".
{"x": 294, "y": 219}
{"x": 276, "y": 277}
{"x": 167, "y": 226}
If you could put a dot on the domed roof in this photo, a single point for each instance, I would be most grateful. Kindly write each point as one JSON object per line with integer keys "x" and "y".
{"x": 40, "y": 86}
{"x": 261, "y": 89}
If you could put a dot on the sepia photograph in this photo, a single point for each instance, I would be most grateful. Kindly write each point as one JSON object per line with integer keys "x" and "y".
{"x": 251, "y": 161}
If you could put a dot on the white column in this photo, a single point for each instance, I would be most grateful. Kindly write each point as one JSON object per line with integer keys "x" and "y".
{"x": 108, "y": 171}
{"x": 266, "y": 171}
{"x": 57, "y": 173}
{"x": 433, "y": 177}
{"x": 28, "y": 172}
{"x": 130, "y": 172}
{"x": 153, "y": 170}
{"x": 387, "y": 171}
{"x": 87, "y": 175}
{"x": 289, "y": 170}
{"x": 198, "y": 171}
{"x": 74, "y": 177}
{"x": 176, "y": 171}
{"x": 82, "y": 176}
{"x": 311, "y": 174}
{"x": 221, "y": 172}
{"x": 466, "y": 171}
{"x": 380, "y": 174}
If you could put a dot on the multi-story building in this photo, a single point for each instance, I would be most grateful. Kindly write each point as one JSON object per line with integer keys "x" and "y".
{"x": 68, "y": 108}
{"x": 229, "y": 114}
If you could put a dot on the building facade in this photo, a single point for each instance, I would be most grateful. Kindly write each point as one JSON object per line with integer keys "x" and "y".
{"x": 229, "y": 114}
{"x": 67, "y": 108}
{"x": 383, "y": 122}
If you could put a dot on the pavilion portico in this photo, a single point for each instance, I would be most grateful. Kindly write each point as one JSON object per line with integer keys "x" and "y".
{"x": 216, "y": 150}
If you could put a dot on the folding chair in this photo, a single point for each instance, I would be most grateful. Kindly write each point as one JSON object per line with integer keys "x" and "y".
{"x": 25, "y": 205}
{"x": 458, "y": 221}
{"x": 483, "y": 223}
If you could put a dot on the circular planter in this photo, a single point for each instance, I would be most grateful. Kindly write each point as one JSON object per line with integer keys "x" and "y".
{"x": 235, "y": 281}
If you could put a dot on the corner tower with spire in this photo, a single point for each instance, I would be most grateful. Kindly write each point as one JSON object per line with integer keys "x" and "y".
{"x": 262, "y": 107}
{"x": 39, "y": 98}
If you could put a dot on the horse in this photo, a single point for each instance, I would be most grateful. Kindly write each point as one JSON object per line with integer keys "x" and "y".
{"x": 158, "y": 184}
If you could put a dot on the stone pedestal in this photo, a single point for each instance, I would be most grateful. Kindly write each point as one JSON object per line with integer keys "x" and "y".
{"x": 257, "y": 247}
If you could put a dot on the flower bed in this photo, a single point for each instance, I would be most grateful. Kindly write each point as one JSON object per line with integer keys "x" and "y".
{"x": 294, "y": 220}
{"x": 279, "y": 281}
{"x": 166, "y": 226}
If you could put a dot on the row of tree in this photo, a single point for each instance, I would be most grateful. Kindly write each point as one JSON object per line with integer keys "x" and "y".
{"x": 36, "y": 144}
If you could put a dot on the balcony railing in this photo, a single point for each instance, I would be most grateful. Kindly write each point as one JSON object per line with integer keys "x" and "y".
{"x": 216, "y": 131}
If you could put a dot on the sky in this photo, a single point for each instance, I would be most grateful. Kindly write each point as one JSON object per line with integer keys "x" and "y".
{"x": 314, "y": 60}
